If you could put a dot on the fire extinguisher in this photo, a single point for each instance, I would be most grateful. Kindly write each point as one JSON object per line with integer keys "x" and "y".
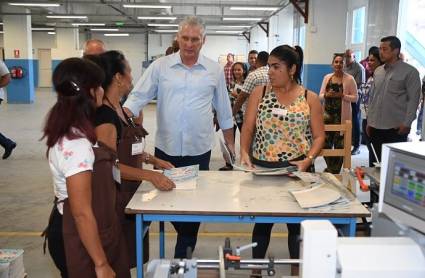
{"x": 17, "y": 72}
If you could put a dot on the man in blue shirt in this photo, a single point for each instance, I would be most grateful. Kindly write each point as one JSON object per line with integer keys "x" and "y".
{"x": 188, "y": 86}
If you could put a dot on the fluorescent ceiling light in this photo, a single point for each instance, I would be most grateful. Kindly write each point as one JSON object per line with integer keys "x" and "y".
{"x": 88, "y": 24}
{"x": 1, "y": 23}
{"x": 162, "y": 25}
{"x": 239, "y": 8}
{"x": 158, "y": 17}
{"x": 51, "y": 33}
{"x": 67, "y": 16}
{"x": 242, "y": 18}
{"x": 228, "y": 26}
{"x": 117, "y": 35}
{"x": 229, "y": 31}
{"x": 105, "y": 29}
{"x": 35, "y": 4}
{"x": 166, "y": 31}
{"x": 42, "y": 29}
{"x": 137, "y": 6}
{"x": 1, "y": 32}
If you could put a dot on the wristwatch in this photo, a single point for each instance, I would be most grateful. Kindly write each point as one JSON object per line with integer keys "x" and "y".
{"x": 312, "y": 158}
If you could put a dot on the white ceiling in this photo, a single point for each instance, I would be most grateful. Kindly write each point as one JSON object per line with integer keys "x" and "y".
{"x": 112, "y": 11}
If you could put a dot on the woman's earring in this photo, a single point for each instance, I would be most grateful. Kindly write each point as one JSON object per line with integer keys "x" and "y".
{"x": 292, "y": 77}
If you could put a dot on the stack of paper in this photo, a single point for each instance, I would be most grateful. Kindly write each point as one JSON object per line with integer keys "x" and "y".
{"x": 184, "y": 177}
{"x": 12, "y": 263}
{"x": 259, "y": 171}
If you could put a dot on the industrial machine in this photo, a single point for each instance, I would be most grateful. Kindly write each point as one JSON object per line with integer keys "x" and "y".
{"x": 396, "y": 248}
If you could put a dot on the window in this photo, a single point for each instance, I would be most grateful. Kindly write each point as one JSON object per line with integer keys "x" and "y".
{"x": 357, "y": 31}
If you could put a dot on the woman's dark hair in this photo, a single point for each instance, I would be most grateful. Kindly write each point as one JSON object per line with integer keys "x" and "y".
{"x": 112, "y": 62}
{"x": 244, "y": 68}
{"x": 375, "y": 53}
{"x": 73, "y": 114}
{"x": 290, "y": 56}
{"x": 342, "y": 55}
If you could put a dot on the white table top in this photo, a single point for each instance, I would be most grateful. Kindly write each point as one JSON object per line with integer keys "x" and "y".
{"x": 232, "y": 193}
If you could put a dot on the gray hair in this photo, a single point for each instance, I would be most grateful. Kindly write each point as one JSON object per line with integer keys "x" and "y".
{"x": 192, "y": 21}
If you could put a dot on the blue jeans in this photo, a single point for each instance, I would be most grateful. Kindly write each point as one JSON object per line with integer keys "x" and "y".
{"x": 5, "y": 142}
{"x": 187, "y": 232}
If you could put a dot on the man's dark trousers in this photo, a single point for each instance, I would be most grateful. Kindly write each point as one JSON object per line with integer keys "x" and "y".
{"x": 187, "y": 232}
{"x": 356, "y": 118}
{"x": 384, "y": 136}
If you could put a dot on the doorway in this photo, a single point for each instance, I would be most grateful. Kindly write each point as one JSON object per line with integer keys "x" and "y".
{"x": 44, "y": 68}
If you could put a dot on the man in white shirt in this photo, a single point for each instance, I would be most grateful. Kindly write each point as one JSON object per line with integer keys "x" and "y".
{"x": 5, "y": 142}
{"x": 187, "y": 86}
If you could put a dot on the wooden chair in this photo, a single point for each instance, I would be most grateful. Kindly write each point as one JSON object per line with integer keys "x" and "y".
{"x": 346, "y": 151}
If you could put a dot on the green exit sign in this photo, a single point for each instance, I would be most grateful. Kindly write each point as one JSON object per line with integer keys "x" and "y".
{"x": 119, "y": 23}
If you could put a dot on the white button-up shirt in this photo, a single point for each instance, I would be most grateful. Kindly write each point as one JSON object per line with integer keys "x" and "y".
{"x": 185, "y": 99}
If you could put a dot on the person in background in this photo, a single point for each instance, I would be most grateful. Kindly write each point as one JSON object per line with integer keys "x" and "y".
{"x": 5, "y": 142}
{"x": 240, "y": 73}
{"x": 356, "y": 70}
{"x": 284, "y": 125}
{"x": 188, "y": 86}
{"x": 395, "y": 98}
{"x": 256, "y": 78}
{"x": 374, "y": 61}
{"x": 117, "y": 132}
{"x": 252, "y": 60}
{"x": 338, "y": 91}
{"x": 93, "y": 47}
{"x": 365, "y": 63}
{"x": 228, "y": 74}
{"x": 421, "y": 110}
{"x": 84, "y": 235}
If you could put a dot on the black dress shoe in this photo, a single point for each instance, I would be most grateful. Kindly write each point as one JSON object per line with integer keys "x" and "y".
{"x": 8, "y": 150}
{"x": 355, "y": 151}
{"x": 228, "y": 167}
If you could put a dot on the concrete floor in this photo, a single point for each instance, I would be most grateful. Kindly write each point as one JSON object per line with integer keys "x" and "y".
{"x": 26, "y": 193}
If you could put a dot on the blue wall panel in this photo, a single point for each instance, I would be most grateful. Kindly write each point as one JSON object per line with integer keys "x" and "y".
{"x": 313, "y": 75}
{"x": 55, "y": 63}
{"x": 21, "y": 90}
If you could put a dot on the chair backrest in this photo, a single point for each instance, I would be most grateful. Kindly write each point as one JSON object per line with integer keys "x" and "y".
{"x": 345, "y": 129}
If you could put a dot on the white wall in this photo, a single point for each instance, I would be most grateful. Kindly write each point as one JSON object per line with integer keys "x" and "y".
{"x": 158, "y": 43}
{"x": 221, "y": 45}
{"x": 133, "y": 48}
{"x": 281, "y": 31}
{"x": 326, "y": 30}
{"x": 382, "y": 21}
{"x": 42, "y": 40}
{"x": 259, "y": 40}
{"x": 282, "y": 28}
{"x": 67, "y": 44}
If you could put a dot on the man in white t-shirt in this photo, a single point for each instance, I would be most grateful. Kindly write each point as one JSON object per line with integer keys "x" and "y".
{"x": 5, "y": 142}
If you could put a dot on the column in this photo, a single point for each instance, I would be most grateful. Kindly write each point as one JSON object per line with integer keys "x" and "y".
{"x": 325, "y": 35}
{"x": 18, "y": 53}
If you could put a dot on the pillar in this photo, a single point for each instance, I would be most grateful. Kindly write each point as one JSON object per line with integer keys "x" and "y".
{"x": 18, "y": 53}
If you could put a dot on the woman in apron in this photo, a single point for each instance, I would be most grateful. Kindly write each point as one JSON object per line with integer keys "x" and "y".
{"x": 121, "y": 133}
{"x": 84, "y": 233}
{"x": 338, "y": 91}
{"x": 284, "y": 125}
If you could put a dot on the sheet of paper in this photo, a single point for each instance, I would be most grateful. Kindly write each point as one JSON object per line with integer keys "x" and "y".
{"x": 185, "y": 178}
{"x": 228, "y": 156}
{"x": 316, "y": 196}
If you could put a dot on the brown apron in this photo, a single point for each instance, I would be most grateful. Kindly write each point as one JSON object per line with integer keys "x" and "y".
{"x": 79, "y": 263}
{"x": 129, "y": 135}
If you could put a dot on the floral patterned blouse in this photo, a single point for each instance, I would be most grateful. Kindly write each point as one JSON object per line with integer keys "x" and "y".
{"x": 282, "y": 132}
